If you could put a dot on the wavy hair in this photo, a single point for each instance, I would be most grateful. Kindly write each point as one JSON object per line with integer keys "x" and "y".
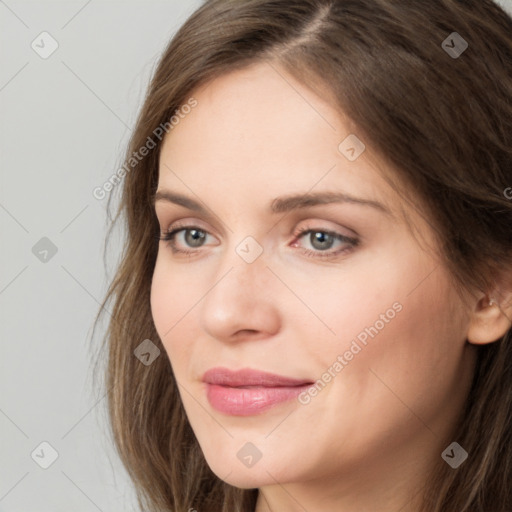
{"x": 443, "y": 122}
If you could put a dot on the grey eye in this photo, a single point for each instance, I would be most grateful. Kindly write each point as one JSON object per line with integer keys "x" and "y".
{"x": 194, "y": 237}
{"x": 321, "y": 240}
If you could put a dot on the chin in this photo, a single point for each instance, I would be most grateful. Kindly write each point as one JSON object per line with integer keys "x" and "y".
{"x": 244, "y": 478}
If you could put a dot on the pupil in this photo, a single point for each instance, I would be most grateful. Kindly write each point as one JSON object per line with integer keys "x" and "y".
{"x": 196, "y": 239}
{"x": 322, "y": 238}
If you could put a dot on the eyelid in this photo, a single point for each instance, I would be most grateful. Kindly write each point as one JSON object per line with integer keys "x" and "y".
{"x": 181, "y": 224}
{"x": 318, "y": 224}
{"x": 169, "y": 211}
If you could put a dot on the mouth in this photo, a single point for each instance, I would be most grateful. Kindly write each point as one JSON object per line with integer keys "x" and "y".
{"x": 248, "y": 377}
{"x": 248, "y": 392}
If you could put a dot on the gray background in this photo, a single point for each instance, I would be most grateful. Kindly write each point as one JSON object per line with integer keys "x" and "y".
{"x": 64, "y": 122}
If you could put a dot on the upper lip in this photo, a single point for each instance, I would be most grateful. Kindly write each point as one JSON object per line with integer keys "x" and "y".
{"x": 249, "y": 377}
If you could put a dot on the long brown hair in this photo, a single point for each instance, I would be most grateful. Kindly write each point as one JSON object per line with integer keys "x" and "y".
{"x": 444, "y": 123}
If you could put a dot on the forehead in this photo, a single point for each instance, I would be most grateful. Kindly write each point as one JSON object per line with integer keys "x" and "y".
{"x": 260, "y": 133}
{"x": 259, "y": 112}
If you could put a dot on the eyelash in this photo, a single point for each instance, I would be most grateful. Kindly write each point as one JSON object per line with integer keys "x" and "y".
{"x": 169, "y": 237}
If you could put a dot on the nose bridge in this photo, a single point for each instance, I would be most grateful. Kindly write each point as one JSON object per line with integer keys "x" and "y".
{"x": 243, "y": 272}
{"x": 239, "y": 297}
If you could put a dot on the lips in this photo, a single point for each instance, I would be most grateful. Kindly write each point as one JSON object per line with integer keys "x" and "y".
{"x": 250, "y": 378}
{"x": 248, "y": 392}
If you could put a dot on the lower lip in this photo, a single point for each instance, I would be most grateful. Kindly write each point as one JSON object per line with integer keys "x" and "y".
{"x": 249, "y": 401}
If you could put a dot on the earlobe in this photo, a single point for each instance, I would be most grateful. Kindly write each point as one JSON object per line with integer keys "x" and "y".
{"x": 489, "y": 321}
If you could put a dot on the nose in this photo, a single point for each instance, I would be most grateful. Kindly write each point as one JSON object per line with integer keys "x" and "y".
{"x": 241, "y": 301}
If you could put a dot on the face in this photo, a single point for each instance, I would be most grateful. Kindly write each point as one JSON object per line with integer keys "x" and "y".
{"x": 337, "y": 294}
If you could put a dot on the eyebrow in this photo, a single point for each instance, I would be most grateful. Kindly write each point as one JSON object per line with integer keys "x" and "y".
{"x": 280, "y": 204}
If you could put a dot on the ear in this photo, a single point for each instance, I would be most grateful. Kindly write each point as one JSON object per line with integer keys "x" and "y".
{"x": 491, "y": 317}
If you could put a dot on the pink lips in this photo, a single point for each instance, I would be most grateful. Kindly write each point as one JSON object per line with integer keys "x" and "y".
{"x": 247, "y": 392}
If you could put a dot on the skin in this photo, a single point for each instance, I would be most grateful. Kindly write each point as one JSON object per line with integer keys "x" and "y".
{"x": 366, "y": 441}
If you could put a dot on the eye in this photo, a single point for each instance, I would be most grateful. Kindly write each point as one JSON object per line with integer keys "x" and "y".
{"x": 322, "y": 241}
{"x": 193, "y": 236}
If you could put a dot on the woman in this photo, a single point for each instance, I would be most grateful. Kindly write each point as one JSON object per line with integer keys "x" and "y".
{"x": 313, "y": 309}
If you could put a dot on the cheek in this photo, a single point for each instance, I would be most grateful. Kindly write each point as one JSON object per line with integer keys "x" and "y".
{"x": 409, "y": 371}
{"x": 399, "y": 330}
{"x": 161, "y": 299}
{"x": 173, "y": 292}
{"x": 170, "y": 302}
{"x": 425, "y": 340}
